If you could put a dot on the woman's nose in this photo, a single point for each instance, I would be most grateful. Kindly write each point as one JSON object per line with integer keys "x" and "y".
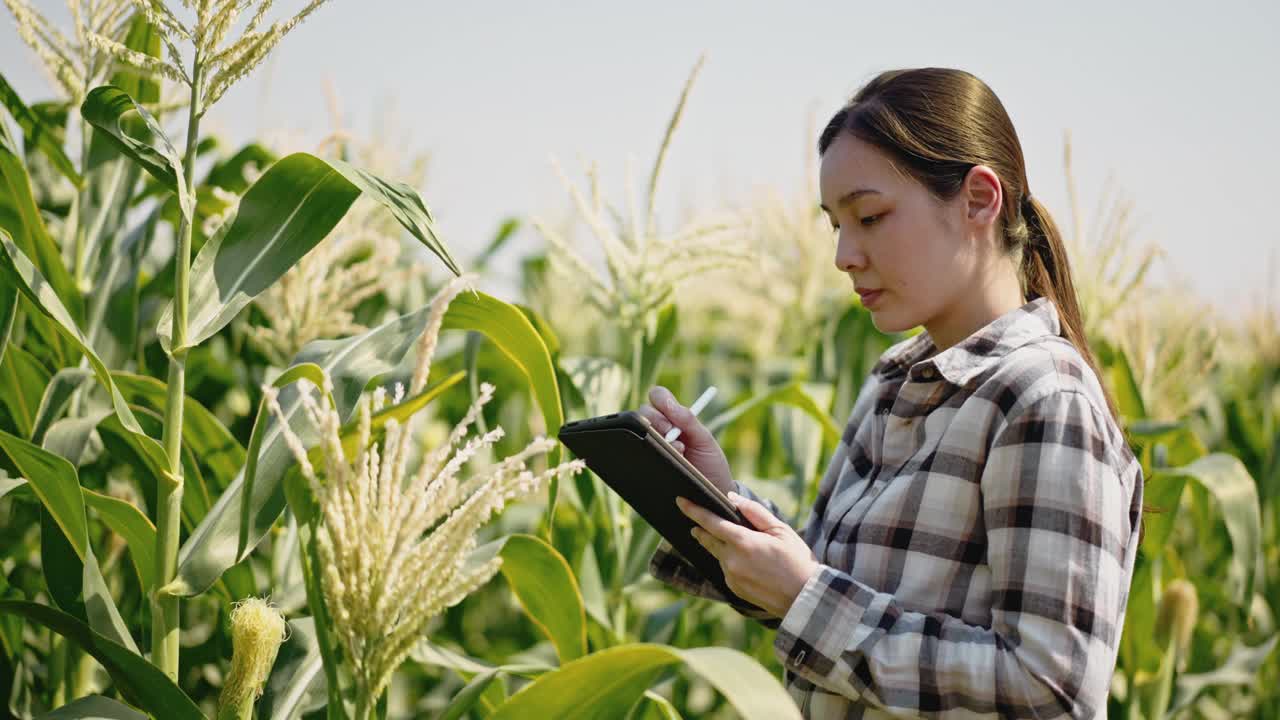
{"x": 848, "y": 256}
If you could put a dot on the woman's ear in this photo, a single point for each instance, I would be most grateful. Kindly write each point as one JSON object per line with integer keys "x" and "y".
{"x": 983, "y": 195}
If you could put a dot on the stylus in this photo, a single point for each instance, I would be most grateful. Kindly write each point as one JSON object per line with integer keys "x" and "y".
{"x": 697, "y": 407}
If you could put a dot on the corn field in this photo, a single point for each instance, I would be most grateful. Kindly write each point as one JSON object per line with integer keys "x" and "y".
{"x": 266, "y": 451}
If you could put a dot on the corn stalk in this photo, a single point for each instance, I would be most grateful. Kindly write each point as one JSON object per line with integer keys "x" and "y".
{"x": 164, "y": 605}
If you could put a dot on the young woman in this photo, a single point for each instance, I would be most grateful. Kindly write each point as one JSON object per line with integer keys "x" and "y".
{"x": 971, "y": 547}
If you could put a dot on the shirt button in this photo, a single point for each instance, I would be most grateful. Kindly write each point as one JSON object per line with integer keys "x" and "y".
{"x": 799, "y": 658}
{"x": 927, "y": 374}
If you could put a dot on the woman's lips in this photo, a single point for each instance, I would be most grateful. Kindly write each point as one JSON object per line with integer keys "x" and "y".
{"x": 870, "y": 297}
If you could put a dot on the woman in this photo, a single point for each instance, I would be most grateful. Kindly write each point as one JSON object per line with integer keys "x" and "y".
{"x": 972, "y": 543}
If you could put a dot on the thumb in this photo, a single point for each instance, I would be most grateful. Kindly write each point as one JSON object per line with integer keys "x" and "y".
{"x": 757, "y": 514}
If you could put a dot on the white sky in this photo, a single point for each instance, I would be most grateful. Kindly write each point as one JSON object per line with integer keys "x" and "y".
{"x": 1179, "y": 102}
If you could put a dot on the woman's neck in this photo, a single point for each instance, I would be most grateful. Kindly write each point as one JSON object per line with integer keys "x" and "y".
{"x": 974, "y": 310}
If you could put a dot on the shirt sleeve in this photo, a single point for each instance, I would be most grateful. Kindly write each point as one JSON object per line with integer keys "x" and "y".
{"x": 1056, "y": 509}
{"x": 669, "y": 566}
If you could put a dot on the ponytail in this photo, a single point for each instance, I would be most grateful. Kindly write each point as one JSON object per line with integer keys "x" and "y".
{"x": 1046, "y": 272}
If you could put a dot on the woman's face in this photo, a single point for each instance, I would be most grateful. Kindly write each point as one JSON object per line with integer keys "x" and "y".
{"x": 896, "y": 237}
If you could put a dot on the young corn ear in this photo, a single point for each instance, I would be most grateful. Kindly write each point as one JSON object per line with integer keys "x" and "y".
{"x": 257, "y": 630}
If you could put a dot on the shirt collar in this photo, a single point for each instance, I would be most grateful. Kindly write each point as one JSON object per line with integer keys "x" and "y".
{"x": 982, "y": 349}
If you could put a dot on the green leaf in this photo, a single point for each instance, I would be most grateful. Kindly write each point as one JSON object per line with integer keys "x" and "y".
{"x": 62, "y": 569}
{"x": 1161, "y": 491}
{"x": 607, "y": 683}
{"x": 209, "y": 440}
{"x": 350, "y": 363}
{"x": 36, "y": 134}
{"x": 793, "y": 394}
{"x": 1227, "y": 480}
{"x": 124, "y": 448}
{"x": 24, "y": 380}
{"x": 544, "y": 584}
{"x": 1241, "y": 668}
{"x": 69, "y": 437}
{"x": 54, "y": 400}
{"x": 127, "y": 521}
{"x": 33, "y": 285}
{"x": 1123, "y": 383}
{"x": 296, "y": 684}
{"x": 304, "y": 371}
{"x": 657, "y": 347}
{"x": 282, "y": 216}
{"x": 405, "y": 205}
{"x": 654, "y": 707}
{"x": 138, "y": 680}
{"x": 464, "y": 699}
{"x": 106, "y": 108}
{"x": 94, "y": 707}
{"x": 8, "y": 312}
{"x": 20, "y": 219}
{"x": 510, "y": 330}
{"x": 55, "y": 482}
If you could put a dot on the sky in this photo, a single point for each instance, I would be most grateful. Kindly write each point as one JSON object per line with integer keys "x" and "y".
{"x": 1175, "y": 104}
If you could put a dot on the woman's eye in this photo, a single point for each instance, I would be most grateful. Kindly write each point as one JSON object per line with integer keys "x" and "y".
{"x": 871, "y": 219}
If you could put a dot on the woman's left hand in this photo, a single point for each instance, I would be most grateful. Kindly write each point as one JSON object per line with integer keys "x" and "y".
{"x": 767, "y": 566}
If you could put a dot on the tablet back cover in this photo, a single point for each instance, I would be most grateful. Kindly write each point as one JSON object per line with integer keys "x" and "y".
{"x": 639, "y": 470}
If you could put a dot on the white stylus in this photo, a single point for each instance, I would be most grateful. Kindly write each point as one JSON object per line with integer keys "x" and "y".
{"x": 695, "y": 408}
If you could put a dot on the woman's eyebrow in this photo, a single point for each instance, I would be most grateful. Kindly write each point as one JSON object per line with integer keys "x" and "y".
{"x": 851, "y": 196}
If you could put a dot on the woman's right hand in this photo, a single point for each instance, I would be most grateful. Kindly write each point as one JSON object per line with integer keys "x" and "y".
{"x": 696, "y": 442}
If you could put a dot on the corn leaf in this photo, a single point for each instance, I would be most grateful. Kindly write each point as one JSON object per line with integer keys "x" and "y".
{"x": 55, "y": 482}
{"x": 142, "y": 683}
{"x": 282, "y": 216}
{"x": 619, "y": 676}
{"x": 21, "y": 219}
{"x": 510, "y": 330}
{"x": 36, "y": 134}
{"x": 24, "y": 380}
{"x": 41, "y": 296}
{"x": 108, "y": 108}
{"x": 1234, "y": 489}
{"x": 545, "y": 587}
{"x": 94, "y": 707}
{"x": 296, "y": 685}
{"x": 793, "y": 394}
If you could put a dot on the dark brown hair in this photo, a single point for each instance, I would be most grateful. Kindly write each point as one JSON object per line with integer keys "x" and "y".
{"x": 935, "y": 124}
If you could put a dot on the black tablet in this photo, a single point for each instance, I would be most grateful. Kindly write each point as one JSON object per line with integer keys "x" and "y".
{"x": 648, "y": 473}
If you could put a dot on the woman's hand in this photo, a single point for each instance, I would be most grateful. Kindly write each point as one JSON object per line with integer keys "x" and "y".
{"x": 696, "y": 442}
{"x": 768, "y": 566}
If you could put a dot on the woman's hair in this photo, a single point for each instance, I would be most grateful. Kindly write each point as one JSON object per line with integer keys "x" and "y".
{"x": 937, "y": 123}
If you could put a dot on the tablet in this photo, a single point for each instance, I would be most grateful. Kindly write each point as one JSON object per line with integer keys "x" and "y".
{"x": 648, "y": 473}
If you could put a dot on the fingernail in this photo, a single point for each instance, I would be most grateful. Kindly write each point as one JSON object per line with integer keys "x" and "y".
{"x": 734, "y": 497}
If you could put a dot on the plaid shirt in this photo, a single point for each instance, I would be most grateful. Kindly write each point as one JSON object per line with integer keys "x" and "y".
{"x": 976, "y": 533}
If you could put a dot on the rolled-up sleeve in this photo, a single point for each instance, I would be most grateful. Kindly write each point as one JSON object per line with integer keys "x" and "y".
{"x": 1056, "y": 497}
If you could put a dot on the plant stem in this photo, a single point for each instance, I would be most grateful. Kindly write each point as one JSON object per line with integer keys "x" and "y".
{"x": 82, "y": 199}
{"x": 165, "y": 624}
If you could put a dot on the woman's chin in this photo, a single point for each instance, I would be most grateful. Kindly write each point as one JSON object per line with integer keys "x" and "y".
{"x": 888, "y": 322}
